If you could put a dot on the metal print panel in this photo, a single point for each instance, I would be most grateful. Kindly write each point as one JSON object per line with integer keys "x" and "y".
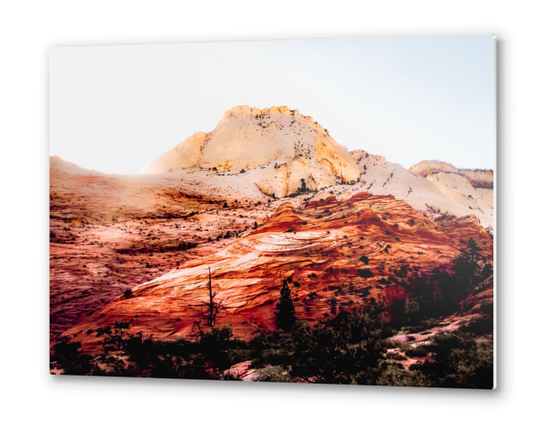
{"x": 201, "y": 229}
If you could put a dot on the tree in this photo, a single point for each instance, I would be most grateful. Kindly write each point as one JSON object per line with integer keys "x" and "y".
{"x": 114, "y": 337}
{"x": 303, "y": 188}
{"x": 466, "y": 265}
{"x": 286, "y": 310}
{"x": 333, "y": 302}
{"x": 69, "y": 359}
{"x": 212, "y": 307}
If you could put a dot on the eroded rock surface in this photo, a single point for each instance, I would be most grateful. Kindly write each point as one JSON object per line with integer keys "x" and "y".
{"x": 337, "y": 255}
{"x": 111, "y": 233}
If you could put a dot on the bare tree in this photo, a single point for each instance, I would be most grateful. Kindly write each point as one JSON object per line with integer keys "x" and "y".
{"x": 212, "y": 307}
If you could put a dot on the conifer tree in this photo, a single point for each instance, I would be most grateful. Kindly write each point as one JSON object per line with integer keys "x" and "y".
{"x": 286, "y": 310}
{"x": 467, "y": 263}
{"x": 303, "y": 188}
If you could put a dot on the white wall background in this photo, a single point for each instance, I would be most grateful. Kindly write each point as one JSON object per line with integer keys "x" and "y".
{"x": 29, "y": 28}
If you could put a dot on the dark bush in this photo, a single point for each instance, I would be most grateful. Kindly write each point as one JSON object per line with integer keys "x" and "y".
{"x": 365, "y": 273}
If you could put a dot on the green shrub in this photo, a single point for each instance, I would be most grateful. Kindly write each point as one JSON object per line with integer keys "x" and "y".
{"x": 416, "y": 352}
{"x": 396, "y": 375}
{"x": 276, "y": 374}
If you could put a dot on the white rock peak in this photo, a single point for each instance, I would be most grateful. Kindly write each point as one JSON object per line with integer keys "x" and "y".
{"x": 278, "y": 146}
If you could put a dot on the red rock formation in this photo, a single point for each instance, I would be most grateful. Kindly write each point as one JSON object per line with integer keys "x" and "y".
{"x": 322, "y": 248}
{"x": 111, "y": 233}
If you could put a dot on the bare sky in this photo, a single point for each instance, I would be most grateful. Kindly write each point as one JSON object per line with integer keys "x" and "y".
{"x": 115, "y": 108}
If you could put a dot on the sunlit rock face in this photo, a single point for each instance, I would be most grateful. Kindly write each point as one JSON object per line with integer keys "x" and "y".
{"x": 428, "y": 167}
{"x": 432, "y": 196}
{"x": 472, "y": 188}
{"x": 277, "y": 146}
{"x": 458, "y": 188}
{"x": 336, "y": 254}
{"x": 478, "y": 178}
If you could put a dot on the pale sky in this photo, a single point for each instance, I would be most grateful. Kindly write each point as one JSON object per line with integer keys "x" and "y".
{"x": 115, "y": 108}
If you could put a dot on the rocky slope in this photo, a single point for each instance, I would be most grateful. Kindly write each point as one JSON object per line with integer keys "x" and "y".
{"x": 338, "y": 254}
{"x": 277, "y": 146}
{"x": 470, "y": 188}
{"x": 378, "y": 176}
{"x": 477, "y": 177}
{"x": 457, "y": 188}
{"x": 109, "y": 233}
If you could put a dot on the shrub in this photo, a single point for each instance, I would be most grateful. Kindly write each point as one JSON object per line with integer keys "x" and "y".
{"x": 479, "y": 326}
{"x": 459, "y": 361}
{"x": 417, "y": 352}
{"x": 396, "y": 375}
{"x": 395, "y": 356}
{"x": 276, "y": 373}
{"x": 365, "y": 273}
{"x": 68, "y": 357}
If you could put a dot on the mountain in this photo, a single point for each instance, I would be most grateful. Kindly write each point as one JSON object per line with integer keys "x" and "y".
{"x": 280, "y": 152}
{"x": 267, "y": 195}
{"x": 277, "y": 146}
